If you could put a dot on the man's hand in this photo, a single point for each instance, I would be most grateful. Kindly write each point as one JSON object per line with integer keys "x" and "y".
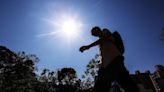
{"x": 82, "y": 48}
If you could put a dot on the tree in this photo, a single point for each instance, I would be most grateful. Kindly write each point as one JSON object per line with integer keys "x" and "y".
{"x": 61, "y": 80}
{"x": 47, "y": 81}
{"x": 17, "y": 71}
{"x": 67, "y": 76}
{"x": 17, "y": 74}
{"x": 90, "y": 73}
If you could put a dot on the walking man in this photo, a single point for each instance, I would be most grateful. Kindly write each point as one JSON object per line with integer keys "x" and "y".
{"x": 112, "y": 65}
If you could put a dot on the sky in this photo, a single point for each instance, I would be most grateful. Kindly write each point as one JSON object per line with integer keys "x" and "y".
{"x": 36, "y": 27}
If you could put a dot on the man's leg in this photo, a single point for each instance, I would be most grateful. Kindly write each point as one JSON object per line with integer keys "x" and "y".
{"x": 127, "y": 83}
{"x": 124, "y": 79}
{"x": 103, "y": 82}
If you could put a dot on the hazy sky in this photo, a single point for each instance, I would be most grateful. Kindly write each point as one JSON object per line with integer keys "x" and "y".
{"x": 30, "y": 26}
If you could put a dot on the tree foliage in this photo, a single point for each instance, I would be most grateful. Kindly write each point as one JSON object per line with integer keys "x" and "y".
{"x": 67, "y": 76}
{"x": 18, "y": 74}
{"x": 90, "y": 73}
{"x": 16, "y": 71}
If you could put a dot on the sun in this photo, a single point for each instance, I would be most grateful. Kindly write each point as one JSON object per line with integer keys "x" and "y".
{"x": 69, "y": 28}
{"x": 65, "y": 27}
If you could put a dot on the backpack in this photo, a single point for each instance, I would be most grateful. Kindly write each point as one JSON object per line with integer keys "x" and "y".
{"x": 118, "y": 42}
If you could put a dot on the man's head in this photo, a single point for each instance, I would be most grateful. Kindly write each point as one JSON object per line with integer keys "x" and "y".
{"x": 96, "y": 31}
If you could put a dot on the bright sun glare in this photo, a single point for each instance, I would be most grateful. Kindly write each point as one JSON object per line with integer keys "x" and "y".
{"x": 69, "y": 28}
{"x": 66, "y": 26}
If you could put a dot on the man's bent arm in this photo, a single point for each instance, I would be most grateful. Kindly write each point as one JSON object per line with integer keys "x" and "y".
{"x": 100, "y": 41}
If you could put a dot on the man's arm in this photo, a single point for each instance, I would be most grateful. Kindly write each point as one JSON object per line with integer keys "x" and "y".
{"x": 99, "y": 41}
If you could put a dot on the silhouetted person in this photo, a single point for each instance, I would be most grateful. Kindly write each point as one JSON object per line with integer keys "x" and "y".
{"x": 112, "y": 65}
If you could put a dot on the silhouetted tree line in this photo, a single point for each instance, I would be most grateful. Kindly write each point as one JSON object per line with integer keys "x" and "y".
{"x": 18, "y": 74}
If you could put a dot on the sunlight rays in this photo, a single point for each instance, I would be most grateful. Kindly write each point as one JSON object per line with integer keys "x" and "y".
{"x": 66, "y": 26}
